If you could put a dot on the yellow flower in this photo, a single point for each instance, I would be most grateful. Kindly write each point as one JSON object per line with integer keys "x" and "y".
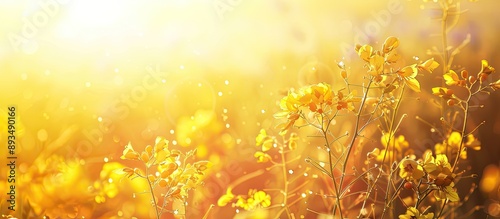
{"x": 408, "y": 74}
{"x": 262, "y": 139}
{"x": 365, "y": 52}
{"x": 486, "y": 68}
{"x": 473, "y": 143}
{"x": 442, "y": 165}
{"x": 429, "y": 164}
{"x": 320, "y": 97}
{"x": 376, "y": 65}
{"x": 262, "y": 199}
{"x": 129, "y": 153}
{"x": 410, "y": 170}
{"x": 446, "y": 192}
{"x": 413, "y": 213}
{"x": 292, "y": 141}
{"x": 346, "y": 102}
{"x": 390, "y": 44}
{"x": 429, "y": 65}
{"x": 262, "y": 157}
{"x": 256, "y": 199}
{"x": 451, "y": 78}
{"x": 226, "y": 198}
{"x": 399, "y": 142}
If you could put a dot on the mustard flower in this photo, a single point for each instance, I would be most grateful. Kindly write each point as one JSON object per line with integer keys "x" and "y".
{"x": 410, "y": 170}
{"x": 413, "y": 213}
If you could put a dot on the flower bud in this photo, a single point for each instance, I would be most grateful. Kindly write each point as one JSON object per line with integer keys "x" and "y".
{"x": 408, "y": 185}
{"x": 450, "y": 102}
{"x": 464, "y": 73}
{"x": 472, "y": 79}
{"x": 343, "y": 73}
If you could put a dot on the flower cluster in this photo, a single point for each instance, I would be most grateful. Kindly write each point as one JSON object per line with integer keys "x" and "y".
{"x": 255, "y": 199}
{"x": 453, "y": 143}
{"x": 413, "y": 213}
{"x": 394, "y": 147}
{"x": 167, "y": 168}
{"x": 467, "y": 81}
{"x": 378, "y": 62}
{"x": 318, "y": 99}
{"x": 436, "y": 172}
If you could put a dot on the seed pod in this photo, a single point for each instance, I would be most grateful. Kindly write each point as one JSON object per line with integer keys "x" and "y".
{"x": 464, "y": 74}
{"x": 343, "y": 73}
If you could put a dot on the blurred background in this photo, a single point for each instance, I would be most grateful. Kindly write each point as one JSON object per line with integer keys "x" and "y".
{"x": 88, "y": 77}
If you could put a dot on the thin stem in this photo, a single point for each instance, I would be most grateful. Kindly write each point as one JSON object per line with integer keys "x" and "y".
{"x": 464, "y": 126}
{"x": 356, "y": 129}
{"x": 152, "y": 194}
{"x": 324, "y": 131}
{"x": 285, "y": 179}
{"x": 391, "y": 133}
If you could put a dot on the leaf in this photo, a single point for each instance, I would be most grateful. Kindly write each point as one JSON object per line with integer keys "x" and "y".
{"x": 451, "y": 78}
{"x": 413, "y": 84}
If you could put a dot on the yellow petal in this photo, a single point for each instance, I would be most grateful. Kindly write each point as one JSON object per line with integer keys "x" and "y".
{"x": 413, "y": 84}
{"x": 451, "y": 194}
{"x": 451, "y": 78}
{"x": 429, "y": 65}
{"x": 409, "y": 71}
{"x": 390, "y": 44}
{"x": 365, "y": 52}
